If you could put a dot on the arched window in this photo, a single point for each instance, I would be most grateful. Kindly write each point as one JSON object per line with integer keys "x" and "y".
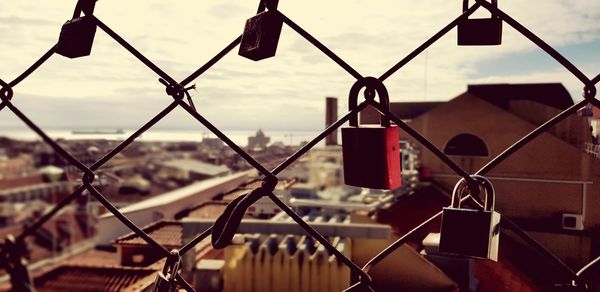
{"x": 466, "y": 145}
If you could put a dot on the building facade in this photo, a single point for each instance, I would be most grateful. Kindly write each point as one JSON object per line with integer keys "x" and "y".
{"x": 551, "y": 186}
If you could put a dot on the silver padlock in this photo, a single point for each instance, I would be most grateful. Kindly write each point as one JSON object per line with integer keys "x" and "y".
{"x": 469, "y": 232}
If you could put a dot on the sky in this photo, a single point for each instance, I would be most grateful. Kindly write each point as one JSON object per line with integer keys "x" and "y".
{"x": 112, "y": 89}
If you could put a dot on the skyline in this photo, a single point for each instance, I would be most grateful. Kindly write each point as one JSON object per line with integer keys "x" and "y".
{"x": 237, "y": 91}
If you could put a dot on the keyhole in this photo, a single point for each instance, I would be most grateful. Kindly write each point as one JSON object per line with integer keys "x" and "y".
{"x": 369, "y": 93}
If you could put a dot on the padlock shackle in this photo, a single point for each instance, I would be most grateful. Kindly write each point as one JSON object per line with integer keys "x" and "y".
{"x": 369, "y": 83}
{"x": 465, "y": 7}
{"x": 462, "y": 185}
{"x": 85, "y": 6}
{"x": 172, "y": 264}
{"x": 264, "y": 5}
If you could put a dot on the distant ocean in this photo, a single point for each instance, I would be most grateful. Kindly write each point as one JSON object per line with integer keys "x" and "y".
{"x": 240, "y": 137}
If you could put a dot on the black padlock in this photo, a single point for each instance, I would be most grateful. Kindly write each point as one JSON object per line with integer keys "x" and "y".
{"x": 166, "y": 280}
{"x": 480, "y": 31}
{"x": 77, "y": 35}
{"x": 371, "y": 153}
{"x": 469, "y": 232}
{"x": 261, "y": 34}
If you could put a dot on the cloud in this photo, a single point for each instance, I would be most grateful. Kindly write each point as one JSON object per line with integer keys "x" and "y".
{"x": 227, "y": 10}
{"x": 288, "y": 90}
{"x": 13, "y": 20}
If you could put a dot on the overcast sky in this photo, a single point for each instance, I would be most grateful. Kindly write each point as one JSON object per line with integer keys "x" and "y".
{"x": 111, "y": 88}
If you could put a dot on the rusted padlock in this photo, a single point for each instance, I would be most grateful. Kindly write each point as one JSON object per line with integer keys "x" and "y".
{"x": 469, "y": 232}
{"x": 371, "y": 153}
{"x": 261, "y": 34}
{"x": 480, "y": 31}
{"x": 77, "y": 35}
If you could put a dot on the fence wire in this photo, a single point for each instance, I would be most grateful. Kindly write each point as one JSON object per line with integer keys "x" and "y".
{"x": 11, "y": 253}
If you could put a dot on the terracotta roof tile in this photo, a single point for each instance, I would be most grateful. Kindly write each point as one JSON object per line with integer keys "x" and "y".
{"x": 86, "y": 278}
{"x": 17, "y": 182}
{"x": 252, "y": 184}
{"x": 230, "y": 196}
{"x": 95, "y": 257}
{"x": 167, "y": 233}
{"x": 208, "y": 210}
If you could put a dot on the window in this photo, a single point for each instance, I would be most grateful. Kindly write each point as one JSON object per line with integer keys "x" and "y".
{"x": 466, "y": 145}
{"x": 137, "y": 258}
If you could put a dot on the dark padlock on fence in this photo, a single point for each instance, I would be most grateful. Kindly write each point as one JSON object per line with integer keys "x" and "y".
{"x": 469, "y": 232}
{"x": 166, "y": 280}
{"x": 371, "y": 153}
{"x": 77, "y": 35}
{"x": 261, "y": 34}
{"x": 480, "y": 31}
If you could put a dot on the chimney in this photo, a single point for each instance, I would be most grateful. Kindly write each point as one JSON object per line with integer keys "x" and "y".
{"x": 330, "y": 118}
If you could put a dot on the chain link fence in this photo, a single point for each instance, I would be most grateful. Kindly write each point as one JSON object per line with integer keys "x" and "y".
{"x": 225, "y": 226}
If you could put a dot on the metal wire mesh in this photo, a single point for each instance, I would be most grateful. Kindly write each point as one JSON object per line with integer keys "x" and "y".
{"x": 226, "y": 225}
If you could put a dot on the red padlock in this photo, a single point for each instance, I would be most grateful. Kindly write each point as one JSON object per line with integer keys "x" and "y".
{"x": 371, "y": 153}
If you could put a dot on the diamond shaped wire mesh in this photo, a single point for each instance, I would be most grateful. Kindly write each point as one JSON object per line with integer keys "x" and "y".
{"x": 227, "y": 224}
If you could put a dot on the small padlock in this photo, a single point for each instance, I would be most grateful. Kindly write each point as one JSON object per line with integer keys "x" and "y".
{"x": 77, "y": 35}
{"x": 469, "y": 232}
{"x": 166, "y": 280}
{"x": 371, "y": 153}
{"x": 480, "y": 31}
{"x": 261, "y": 34}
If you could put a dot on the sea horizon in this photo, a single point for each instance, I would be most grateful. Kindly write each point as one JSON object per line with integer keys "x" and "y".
{"x": 240, "y": 137}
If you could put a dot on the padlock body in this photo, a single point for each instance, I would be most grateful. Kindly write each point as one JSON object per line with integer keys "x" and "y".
{"x": 467, "y": 232}
{"x": 261, "y": 35}
{"x": 371, "y": 156}
{"x": 480, "y": 32}
{"x": 76, "y": 37}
